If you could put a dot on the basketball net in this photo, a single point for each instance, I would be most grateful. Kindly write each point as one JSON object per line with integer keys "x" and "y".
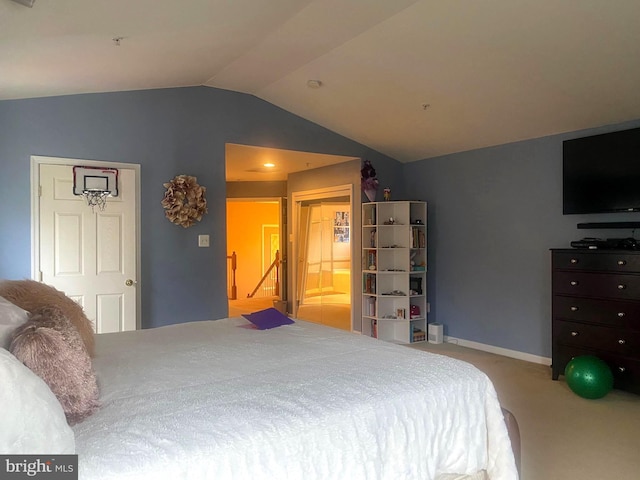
{"x": 96, "y": 198}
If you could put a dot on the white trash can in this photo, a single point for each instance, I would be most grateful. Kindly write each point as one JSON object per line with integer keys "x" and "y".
{"x": 436, "y": 332}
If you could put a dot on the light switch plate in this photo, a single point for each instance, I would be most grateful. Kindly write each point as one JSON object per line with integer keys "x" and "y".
{"x": 203, "y": 240}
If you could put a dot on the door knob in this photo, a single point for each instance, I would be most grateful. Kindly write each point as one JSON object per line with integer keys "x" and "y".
{"x": 129, "y": 282}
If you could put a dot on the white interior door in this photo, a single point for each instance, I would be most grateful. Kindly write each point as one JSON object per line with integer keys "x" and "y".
{"x": 90, "y": 255}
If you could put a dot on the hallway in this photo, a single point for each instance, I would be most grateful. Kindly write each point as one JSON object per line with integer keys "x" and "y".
{"x": 337, "y": 315}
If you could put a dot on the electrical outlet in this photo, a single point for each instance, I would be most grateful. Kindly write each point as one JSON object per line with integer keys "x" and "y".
{"x": 203, "y": 240}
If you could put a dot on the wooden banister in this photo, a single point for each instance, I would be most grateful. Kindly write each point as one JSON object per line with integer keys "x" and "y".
{"x": 274, "y": 265}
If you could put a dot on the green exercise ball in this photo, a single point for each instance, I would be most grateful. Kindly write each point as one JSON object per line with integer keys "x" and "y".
{"x": 588, "y": 376}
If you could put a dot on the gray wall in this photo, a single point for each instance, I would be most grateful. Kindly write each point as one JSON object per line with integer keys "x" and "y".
{"x": 168, "y": 132}
{"x": 494, "y": 213}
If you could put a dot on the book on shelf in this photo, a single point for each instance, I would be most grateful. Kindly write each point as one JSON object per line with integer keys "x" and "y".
{"x": 417, "y": 237}
{"x": 369, "y": 283}
{"x": 371, "y": 307}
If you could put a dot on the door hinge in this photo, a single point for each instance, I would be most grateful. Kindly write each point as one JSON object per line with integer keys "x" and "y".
{"x": 39, "y": 190}
{"x": 40, "y": 275}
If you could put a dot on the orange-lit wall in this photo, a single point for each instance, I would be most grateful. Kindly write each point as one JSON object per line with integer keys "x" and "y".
{"x": 244, "y": 236}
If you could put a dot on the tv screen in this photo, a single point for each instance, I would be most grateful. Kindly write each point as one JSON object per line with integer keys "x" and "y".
{"x": 601, "y": 173}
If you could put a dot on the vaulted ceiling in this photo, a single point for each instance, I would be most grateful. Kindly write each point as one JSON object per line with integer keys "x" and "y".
{"x": 410, "y": 78}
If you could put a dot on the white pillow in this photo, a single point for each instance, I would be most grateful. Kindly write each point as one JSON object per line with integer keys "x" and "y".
{"x": 11, "y": 317}
{"x": 32, "y": 420}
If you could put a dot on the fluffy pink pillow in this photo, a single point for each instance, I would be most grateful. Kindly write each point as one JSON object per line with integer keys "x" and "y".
{"x": 31, "y": 295}
{"x": 50, "y": 345}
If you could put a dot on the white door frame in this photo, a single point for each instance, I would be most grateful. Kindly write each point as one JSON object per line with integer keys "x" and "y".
{"x": 319, "y": 194}
{"x": 36, "y": 161}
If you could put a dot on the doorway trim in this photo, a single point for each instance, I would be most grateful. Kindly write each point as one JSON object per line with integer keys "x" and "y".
{"x": 318, "y": 194}
{"x": 36, "y": 161}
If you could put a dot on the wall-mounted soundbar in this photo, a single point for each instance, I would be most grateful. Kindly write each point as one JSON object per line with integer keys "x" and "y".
{"x": 609, "y": 225}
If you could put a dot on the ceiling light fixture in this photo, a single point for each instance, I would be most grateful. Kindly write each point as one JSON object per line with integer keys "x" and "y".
{"x": 269, "y": 165}
{"x": 26, "y": 3}
{"x": 314, "y": 83}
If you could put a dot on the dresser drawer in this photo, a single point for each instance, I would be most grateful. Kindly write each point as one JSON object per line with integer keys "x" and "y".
{"x": 603, "y": 285}
{"x": 616, "y": 313}
{"x": 614, "y": 340}
{"x": 626, "y": 371}
{"x": 596, "y": 311}
{"x": 611, "y": 261}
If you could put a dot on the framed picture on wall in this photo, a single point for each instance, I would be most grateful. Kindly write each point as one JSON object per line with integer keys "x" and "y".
{"x": 341, "y": 227}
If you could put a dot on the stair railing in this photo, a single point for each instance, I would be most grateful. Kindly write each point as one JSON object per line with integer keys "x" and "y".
{"x": 269, "y": 284}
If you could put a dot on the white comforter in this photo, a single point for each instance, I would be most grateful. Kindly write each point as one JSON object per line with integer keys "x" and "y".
{"x": 213, "y": 400}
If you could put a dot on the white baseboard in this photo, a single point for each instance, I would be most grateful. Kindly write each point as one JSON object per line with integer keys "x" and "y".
{"x": 527, "y": 357}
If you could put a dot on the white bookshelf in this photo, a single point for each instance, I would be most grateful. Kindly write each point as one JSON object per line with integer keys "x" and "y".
{"x": 394, "y": 271}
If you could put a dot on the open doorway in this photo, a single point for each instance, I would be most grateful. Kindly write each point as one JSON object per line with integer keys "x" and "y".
{"x": 323, "y": 249}
{"x": 255, "y": 273}
{"x": 256, "y": 173}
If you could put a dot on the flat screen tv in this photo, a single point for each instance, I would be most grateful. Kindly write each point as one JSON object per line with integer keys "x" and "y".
{"x": 601, "y": 173}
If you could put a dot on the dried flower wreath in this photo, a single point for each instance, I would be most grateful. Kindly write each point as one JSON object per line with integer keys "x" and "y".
{"x": 184, "y": 200}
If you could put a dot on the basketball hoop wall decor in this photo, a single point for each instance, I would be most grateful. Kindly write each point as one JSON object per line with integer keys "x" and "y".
{"x": 184, "y": 201}
{"x": 95, "y": 184}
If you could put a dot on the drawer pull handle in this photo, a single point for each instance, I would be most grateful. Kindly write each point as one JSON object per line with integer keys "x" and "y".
{"x": 621, "y": 369}
{"x": 575, "y": 334}
{"x": 621, "y": 286}
{"x": 622, "y": 262}
{"x": 574, "y": 308}
{"x": 573, "y": 283}
{"x": 573, "y": 261}
{"x": 622, "y": 341}
{"x": 621, "y": 314}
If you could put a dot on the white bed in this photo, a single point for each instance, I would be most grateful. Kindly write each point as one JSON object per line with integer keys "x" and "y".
{"x": 216, "y": 400}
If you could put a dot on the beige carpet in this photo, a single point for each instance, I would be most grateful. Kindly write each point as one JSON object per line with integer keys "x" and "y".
{"x": 249, "y": 305}
{"x": 564, "y": 437}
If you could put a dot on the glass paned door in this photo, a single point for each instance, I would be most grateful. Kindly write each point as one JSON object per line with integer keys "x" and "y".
{"x": 324, "y": 273}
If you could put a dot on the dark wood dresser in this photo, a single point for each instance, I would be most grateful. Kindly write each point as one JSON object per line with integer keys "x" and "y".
{"x": 596, "y": 311}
